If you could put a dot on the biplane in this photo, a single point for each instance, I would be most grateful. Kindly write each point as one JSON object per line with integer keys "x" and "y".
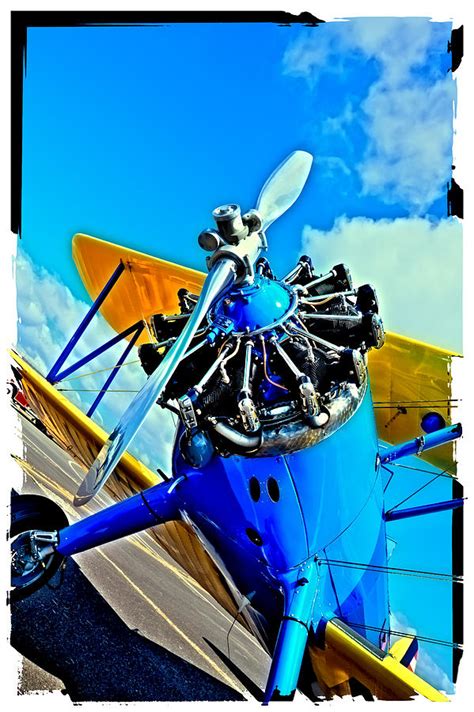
{"x": 275, "y": 503}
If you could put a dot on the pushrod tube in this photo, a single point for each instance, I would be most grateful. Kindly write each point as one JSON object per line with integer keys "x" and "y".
{"x": 336, "y": 317}
{"x": 317, "y": 339}
{"x": 212, "y": 369}
{"x": 289, "y": 362}
{"x": 320, "y": 280}
{"x": 324, "y": 297}
{"x": 292, "y": 274}
{"x": 247, "y": 363}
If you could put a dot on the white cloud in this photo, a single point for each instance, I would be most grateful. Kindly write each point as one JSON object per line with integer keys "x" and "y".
{"x": 48, "y": 315}
{"x": 332, "y": 125}
{"x": 414, "y": 265}
{"x": 410, "y": 154}
{"x": 333, "y": 164}
{"x": 426, "y": 667}
{"x": 407, "y": 115}
{"x": 432, "y": 673}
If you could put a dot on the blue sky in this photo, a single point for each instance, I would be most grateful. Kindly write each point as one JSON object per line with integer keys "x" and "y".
{"x": 136, "y": 134}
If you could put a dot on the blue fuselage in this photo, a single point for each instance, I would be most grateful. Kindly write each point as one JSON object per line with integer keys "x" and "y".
{"x": 263, "y": 518}
{"x": 286, "y": 523}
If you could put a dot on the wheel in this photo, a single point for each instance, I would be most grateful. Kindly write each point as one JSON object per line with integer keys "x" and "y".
{"x": 41, "y": 426}
{"x": 29, "y": 512}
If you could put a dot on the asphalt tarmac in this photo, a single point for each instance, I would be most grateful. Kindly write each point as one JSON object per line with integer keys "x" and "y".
{"x": 124, "y": 622}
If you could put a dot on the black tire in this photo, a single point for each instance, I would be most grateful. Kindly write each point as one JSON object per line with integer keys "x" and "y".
{"x": 41, "y": 426}
{"x": 31, "y": 511}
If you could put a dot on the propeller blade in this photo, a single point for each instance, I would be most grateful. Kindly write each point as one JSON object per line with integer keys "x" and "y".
{"x": 221, "y": 275}
{"x": 284, "y": 186}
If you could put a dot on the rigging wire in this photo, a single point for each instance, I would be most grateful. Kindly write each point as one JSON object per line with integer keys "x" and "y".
{"x": 399, "y": 406}
{"x": 448, "y": 475}
{"x": 416, "y": 491}
{"x": 389, "y": 479}
{"x": 100, "y": 390}
{"x": 430, "y": 400}
{"x": 422, "y": 638}
{"x": 100, "y": 370}
{"x": 161, "y": 344}
{"x": 379, "y": 568}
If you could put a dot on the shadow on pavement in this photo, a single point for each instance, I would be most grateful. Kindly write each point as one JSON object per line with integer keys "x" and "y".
{"x": 306, "y": 682}
{"x": 237, "y": 672}
{"x": 69, "y": 630}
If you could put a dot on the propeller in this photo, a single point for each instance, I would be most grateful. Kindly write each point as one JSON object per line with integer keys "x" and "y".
{"x": 277, "y": 195}
{"x": 284, "y": 186}
{"x": 221, "y": 276}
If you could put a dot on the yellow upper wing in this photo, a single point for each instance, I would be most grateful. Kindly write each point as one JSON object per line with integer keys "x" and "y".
{"x": 147, "y": 286}
{"x": 409, "y": 379}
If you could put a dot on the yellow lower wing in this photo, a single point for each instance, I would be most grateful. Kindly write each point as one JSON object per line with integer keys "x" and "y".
{"x": 348, "y": 655}
{"x": 75, "y": 431}
{"x": 82, "y": 438}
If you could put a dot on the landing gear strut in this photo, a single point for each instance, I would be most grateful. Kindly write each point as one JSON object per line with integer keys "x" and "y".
{"x": 34, "y": 560}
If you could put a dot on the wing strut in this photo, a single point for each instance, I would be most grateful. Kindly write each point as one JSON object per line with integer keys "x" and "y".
{"x": 394, "y": 514}
{"x": 421, "y": 443}
{"x": 52, "y": 375}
